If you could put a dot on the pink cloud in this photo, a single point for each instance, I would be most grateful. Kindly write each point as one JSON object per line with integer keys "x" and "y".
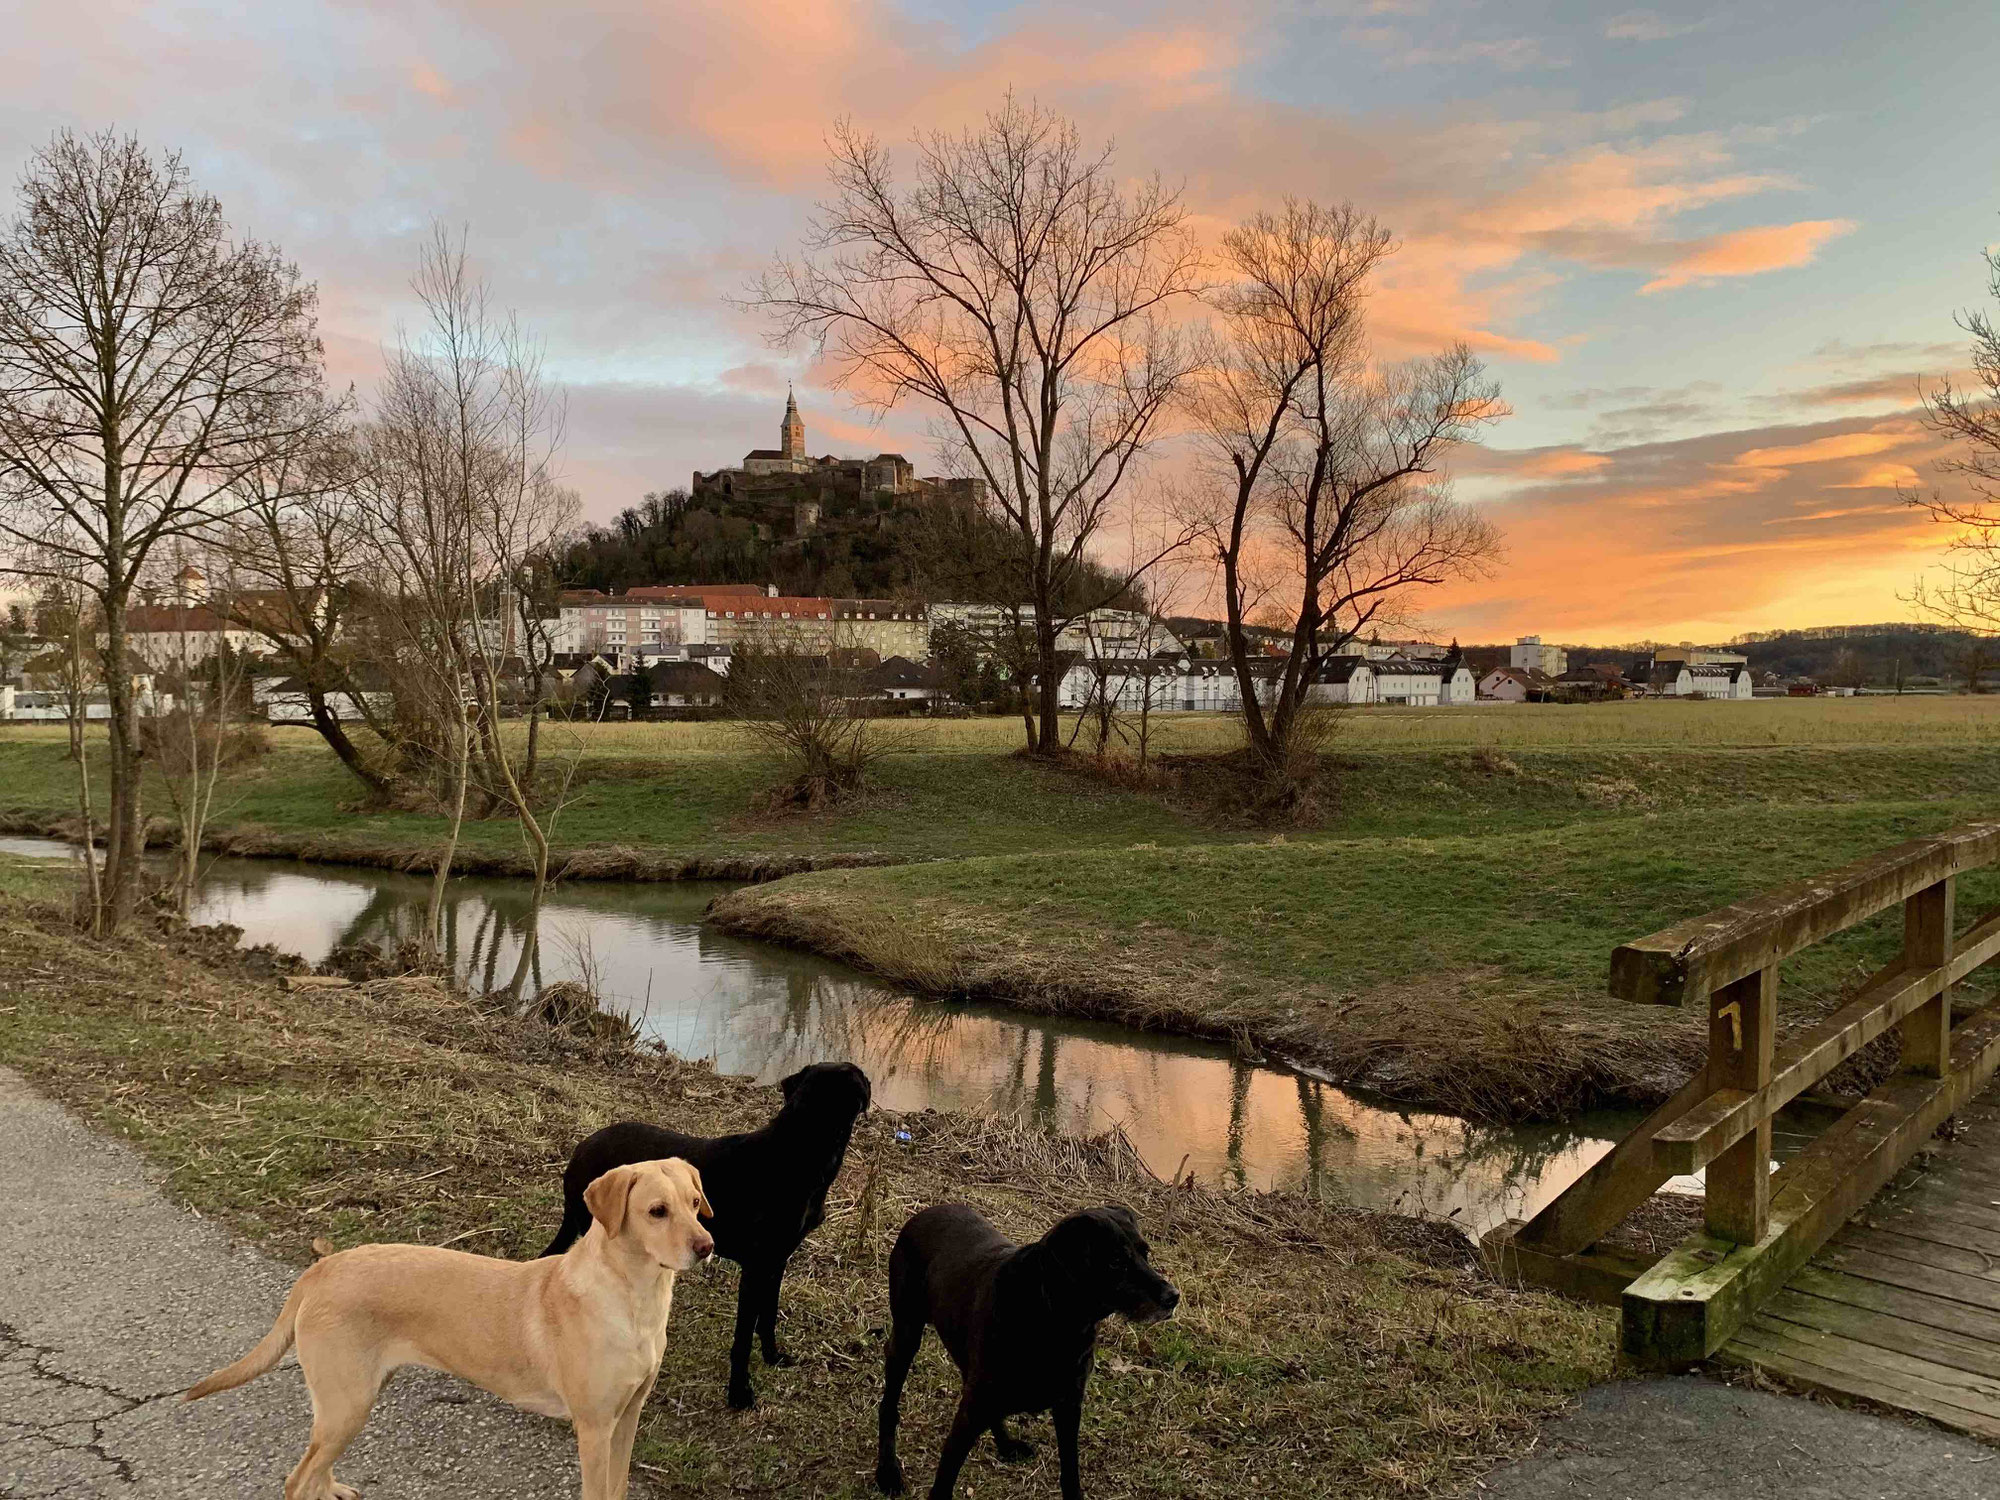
{"x": 1747, "y": 252}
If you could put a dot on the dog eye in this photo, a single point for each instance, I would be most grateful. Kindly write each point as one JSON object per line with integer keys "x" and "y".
{"x": 658, "y": 1210}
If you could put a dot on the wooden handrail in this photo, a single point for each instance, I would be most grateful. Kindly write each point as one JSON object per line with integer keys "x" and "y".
{"x": 1759, "y": 1229}
{"x": 1689, "y": 961}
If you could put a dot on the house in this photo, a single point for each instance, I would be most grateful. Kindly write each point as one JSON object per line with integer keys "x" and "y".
{"x": 904, "y": 681}
{"x": 684, "y": 684}
{"x": 1132, "y": 684}
{"x": 284, "y": 698}
{"x": 1343, "y": 679}
{"x": 1594, "y": 683}
{"x": 1207, "y": 687}
{"x": 1516, "y": 685}
{"x": 1662, "y": 679}
{"x": 1720, "y": 680}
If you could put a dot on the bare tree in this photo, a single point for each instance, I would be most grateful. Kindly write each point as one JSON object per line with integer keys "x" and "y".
{"x": 1330, "y": 507}
{"x": 144, "y": 358}
{"x": 1969, "y": 594}
{"x": 192, "y": 742}
{"x": 803, "y": 699}
{"x": 1022, "y": 294}
{"x": 459, "y": 488}
{"x": 298, "y": 549}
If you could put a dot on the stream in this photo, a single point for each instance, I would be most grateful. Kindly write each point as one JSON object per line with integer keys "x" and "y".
{"x": 757, "y": 1009}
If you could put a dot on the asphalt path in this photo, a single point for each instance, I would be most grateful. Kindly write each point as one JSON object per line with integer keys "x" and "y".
{"x": 113, "y": 1301}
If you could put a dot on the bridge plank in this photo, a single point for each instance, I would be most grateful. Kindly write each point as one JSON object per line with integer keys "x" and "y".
{"x": 1897, "y": 1302}
{"x": 1940, "y": 1253}
{"x": 1842, "y": 1366}
{"x": 1944, "y": 1346}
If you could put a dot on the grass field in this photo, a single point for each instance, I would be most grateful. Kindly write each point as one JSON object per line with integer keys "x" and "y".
{"x": 1318, "y": 1352}
{"x": 1443, "y": 937}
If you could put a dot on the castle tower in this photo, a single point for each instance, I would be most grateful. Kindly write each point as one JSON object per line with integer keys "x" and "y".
{"x": 792, "y": 436}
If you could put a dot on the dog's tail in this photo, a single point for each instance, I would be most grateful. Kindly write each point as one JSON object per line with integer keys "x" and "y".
{"x": 270, "y": 1349}
{"x": 575, "y": 1222}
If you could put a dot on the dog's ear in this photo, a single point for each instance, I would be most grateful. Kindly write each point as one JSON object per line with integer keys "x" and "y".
{"x": 606, "y": 1198}
{"x": 702, "y": 1207}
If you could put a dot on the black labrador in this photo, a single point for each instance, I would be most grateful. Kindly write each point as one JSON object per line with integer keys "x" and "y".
{"x": 1020, "y": 1322}
{"x": 768, "y": 1188}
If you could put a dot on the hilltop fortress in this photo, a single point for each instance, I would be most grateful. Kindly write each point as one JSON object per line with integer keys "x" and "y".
{"x": 786, "y": 474}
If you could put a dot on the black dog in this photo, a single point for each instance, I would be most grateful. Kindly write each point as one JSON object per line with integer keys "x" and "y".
{"x": 1020, "y": 1322}
{"x": 768, "y": 1189}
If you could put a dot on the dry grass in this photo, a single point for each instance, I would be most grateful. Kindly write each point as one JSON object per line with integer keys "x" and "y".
{"x": 1320, "y": 1352}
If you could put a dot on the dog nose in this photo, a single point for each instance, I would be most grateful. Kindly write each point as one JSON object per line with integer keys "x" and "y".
{"x": 1170, "y": 1297}
{"x": 704, "y": 1248}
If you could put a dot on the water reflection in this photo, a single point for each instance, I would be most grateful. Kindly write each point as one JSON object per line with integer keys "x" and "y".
{"x": 752, "y": 1008}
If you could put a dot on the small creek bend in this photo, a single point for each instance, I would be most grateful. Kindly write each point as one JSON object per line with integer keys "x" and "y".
{"x": 758, "y": 1009}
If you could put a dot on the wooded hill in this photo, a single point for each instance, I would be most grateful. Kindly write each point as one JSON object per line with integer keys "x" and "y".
{"x": 876, "y": 545}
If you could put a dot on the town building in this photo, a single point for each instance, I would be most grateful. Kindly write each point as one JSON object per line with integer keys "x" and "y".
{"x": 1516, "y": 685}
{"x": 1528, "y": 654}
{"x": 904, "y": 681}
{"x": 1127, "y": 633}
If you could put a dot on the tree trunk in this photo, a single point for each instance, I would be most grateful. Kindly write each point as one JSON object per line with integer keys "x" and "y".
{"x": 125, "y": 826}
{"x": 330, "y": 729}
{"x": 462, "y": 769}
{"x": 1048, "y": 683}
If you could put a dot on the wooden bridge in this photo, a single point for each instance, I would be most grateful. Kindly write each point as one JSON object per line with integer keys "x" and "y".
{"x": 1900, "y": 1306}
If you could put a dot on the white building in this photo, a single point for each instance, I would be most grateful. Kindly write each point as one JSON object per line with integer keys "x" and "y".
{"x": 1343, "y": 679}
{"x": 1124, "y": 633}
{"x": 1515, "y": 684}
{"x": 1530, "y": 655}
{"x": 1718, "y": 680}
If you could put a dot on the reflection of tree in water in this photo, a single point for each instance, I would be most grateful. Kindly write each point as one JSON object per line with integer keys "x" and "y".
{"x": 772, "y": 1011}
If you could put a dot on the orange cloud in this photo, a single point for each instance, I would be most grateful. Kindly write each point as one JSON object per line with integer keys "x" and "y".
{"x": 1747, "y": 252}
{"x": 1823, "y": 450}
{"x": 1679, "y": 540}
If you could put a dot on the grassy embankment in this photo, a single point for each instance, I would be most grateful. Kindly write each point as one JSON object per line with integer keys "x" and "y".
{"x": 1319, "y": 1351}
{"x": 1443, "y": 938}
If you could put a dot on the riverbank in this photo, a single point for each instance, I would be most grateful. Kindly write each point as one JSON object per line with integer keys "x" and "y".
{"x": 1464, "y": 973}
{"x": 1319, "y": 1351}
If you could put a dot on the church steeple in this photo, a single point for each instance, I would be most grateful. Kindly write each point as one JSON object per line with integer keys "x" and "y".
{"x": 792, "y": 436}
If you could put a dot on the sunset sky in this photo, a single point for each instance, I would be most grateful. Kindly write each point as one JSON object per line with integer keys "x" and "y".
{"x": 1710, "y": 251}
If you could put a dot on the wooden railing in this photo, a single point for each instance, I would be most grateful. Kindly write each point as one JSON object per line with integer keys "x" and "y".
{"x": 1760, "y": 1227}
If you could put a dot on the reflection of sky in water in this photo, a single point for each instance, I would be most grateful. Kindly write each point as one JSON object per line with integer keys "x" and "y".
{"x": 764, "y": 1011}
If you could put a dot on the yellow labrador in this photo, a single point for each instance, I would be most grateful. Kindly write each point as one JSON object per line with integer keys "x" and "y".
{"x": 578, "y": 1336}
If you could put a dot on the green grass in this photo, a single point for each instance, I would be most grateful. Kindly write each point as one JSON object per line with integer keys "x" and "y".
{"x": 1461, "y": 971}
{"x": 1318, "y": 1351}
{"x": 1443, "y": 936}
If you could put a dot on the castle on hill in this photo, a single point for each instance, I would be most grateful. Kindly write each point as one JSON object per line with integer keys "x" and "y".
{"x": 787, "y": 473}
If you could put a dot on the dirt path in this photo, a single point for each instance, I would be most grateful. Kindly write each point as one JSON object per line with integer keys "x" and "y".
{"x": 113, "y": 1300}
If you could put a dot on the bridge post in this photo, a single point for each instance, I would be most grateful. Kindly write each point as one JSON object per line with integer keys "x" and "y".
{"x": 1742, "y": 1025}
{"x": 1927, "y": 927}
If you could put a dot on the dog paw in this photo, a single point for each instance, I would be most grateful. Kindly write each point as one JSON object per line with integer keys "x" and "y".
{"x": 889, "y": 1477}
{"x": 776, "y": 1358}
{"x": 345, "y": 1491}
{"x": 741, "y": 1397}
{"x": 1013, "y": 1450}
